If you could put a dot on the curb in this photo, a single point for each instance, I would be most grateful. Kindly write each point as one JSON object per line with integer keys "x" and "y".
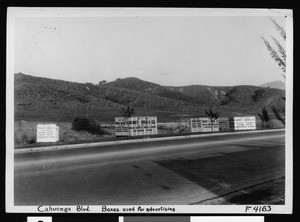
{"x": 83, "y": 145}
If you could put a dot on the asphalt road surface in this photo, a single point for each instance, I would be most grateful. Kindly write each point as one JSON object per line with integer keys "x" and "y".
{"x": 227, "y": 169}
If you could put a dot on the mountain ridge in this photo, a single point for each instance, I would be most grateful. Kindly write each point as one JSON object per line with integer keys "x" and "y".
{"x": 45, "y": 98}
{"x": 274, "y": 84}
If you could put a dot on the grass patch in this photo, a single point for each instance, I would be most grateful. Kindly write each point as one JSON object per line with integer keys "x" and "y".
{"x": 25, "y": 133}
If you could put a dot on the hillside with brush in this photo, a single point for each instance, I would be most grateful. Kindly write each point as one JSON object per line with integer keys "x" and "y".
{"x": 248, "y": 97}
{"x": 44, "y": 99}
{"x": 147, "y": 88}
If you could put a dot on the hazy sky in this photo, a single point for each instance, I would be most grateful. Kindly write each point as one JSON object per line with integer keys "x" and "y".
{"x": 206, "y": 50}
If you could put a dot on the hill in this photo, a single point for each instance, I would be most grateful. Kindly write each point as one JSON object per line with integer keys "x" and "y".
{"x": 149, "y": 88}
{"x": 274, "y": 84}
{"x": 40, "y": 99}
{"x": 43, "y": 99}
{"x": 245, "y": 96}
{"x": 144, "y": 94}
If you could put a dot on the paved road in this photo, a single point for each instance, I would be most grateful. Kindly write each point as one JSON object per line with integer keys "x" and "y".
{"x": 187, "y": 171}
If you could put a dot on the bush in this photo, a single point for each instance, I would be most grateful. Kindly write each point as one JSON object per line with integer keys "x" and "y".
{"x": 224, "y": 102}
{"x": 258, "y": 94}
{"x": 264, "y": 116}
{"x": 24, "y": 138}
{"x": 31, "y": 141}
{"x": 161, "y": 127}
{"x": 229, "y": 97}
{"x": 87, "y": 125}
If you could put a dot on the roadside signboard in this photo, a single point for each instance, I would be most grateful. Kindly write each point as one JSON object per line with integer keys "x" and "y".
{"x": 244, "y": 123}
{"x": 135, "y": 126}
{"x": 231, "y": 123}
{"x": 224, "y": 124}
{"x": 121, "y": 126}
{"x": 204, "y": 125}
{"x": 47, "y": 133}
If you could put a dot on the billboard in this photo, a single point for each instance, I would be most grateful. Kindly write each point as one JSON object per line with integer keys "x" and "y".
{"x": 245, "y": 123}
{"x": 204, "y": 125}
{"x": 224, "y": 124}
{"x": 121, "y": 126}
{"x": 47, "y": 133}
{"x": 135, "y": 126}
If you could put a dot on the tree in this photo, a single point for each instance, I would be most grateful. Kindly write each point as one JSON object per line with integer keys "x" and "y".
{"x": 126, "y": 112}
{"x": 258, "y": 94}
{"x": 278, "y": 53}
{"x": 212, "y": 115}
{"x": 102, "y": 82}
{"x": 279, "y": 114}
{"x": 264, "y": 116}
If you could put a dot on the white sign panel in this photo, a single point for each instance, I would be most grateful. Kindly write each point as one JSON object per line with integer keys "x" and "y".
{"x": 47, "y": 133}
{"x": 204, "y": 125}
{"x": 137, "y": 126}
{"x": 121, "y": 126}
{"x": 244, "y": 123}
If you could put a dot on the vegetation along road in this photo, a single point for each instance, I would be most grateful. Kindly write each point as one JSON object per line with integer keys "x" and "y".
{"x": 226, "y": 169}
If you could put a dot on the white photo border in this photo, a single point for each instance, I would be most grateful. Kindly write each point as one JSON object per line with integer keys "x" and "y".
{"x": 17, "y": 12}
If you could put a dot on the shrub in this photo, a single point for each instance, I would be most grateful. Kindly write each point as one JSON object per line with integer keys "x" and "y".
{"x": 31, "y": 141}
{"x": 264, "y": 116}
{"x": 161, "y": 127}
{"x": 258, "y": 94}
{"x": 24, "y": 138}
{"x": 181, "y": 130}
{"x": 63, "y": 137}
{"x": 279, "y": 114}
{"x": 225, "y": 101}
{"x": 87, "y": 125}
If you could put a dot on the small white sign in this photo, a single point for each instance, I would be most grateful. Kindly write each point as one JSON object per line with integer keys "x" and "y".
{"x": 39, "y": 219}
{"x": 244, "y": 123}
{"x": 47, "y": 133}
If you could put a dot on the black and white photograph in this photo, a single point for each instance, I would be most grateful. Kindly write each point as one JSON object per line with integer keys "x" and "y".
{"x": 149, "y": 110}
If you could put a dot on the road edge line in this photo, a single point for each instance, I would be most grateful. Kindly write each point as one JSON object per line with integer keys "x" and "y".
{"x": 83, "y": 145}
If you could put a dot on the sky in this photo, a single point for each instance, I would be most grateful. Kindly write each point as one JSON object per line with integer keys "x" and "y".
{"x": 173, "y": 51}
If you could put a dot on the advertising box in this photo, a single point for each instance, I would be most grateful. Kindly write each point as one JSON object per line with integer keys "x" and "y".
{"x": 204, "y": 125}
{"x": 245, "y": 123}
{"x": 47, "y": 133}
{"x": 224, "y": 124}
{"x": 135, "y": 126}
